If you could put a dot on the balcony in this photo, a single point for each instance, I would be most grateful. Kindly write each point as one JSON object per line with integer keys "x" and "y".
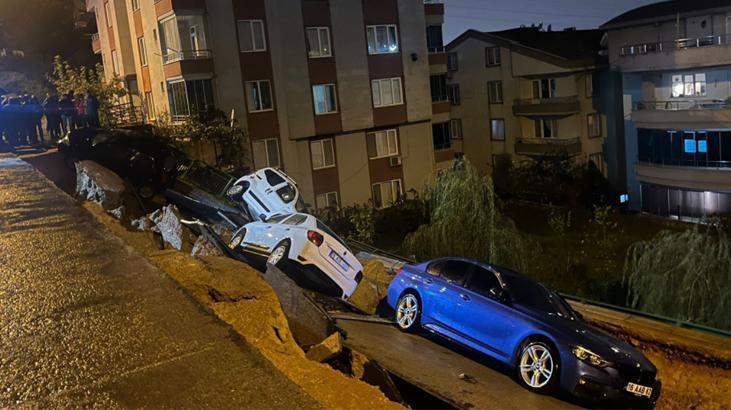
{"x": 96, "y": 44}
{"x": 434, "y": 7}
{"x": 682, "y": 114}
{"x": 437, "y": 55}
{"x": 674, "y": 54}
{"x": 547, "y": 146}
{"x": 700, "y": 179}
{"x": 173, "y": 56}
{"x": 556, "y": 106}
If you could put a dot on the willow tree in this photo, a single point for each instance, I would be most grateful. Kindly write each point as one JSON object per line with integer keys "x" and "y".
{"x": 683, "y": 275}
{"x": 465, "y": 221}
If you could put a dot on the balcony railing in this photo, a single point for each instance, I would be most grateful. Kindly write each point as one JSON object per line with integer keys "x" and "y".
{"x": 173, "y": 56}
{"x": 552, "y": 100}
{"x": 678, "y": 105}
{"x": 547, "y": 146}
{"x": 678, "y": 44}
{"x": 549, "y": 141}
{"x": 437, "y": 50}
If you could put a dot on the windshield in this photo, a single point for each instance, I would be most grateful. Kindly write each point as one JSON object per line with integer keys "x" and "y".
{"x": 533, "y": 295}
{"x": 321, "y": 226}
{"x": 273, "y": 178}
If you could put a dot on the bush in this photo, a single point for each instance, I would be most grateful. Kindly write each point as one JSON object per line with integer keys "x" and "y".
{"x": 684, "y": 275}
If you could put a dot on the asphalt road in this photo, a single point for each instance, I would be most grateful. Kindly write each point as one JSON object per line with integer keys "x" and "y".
{"x": 435, "y": 366}
{"x": 87, "y": 322}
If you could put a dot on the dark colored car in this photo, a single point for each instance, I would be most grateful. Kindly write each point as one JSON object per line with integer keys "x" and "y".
{"x": 148, "y": 161}
{"x": 522, "y": 323}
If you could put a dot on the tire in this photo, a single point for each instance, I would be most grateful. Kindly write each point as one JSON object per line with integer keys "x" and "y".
{"x": 146, "y": 191}
{"x": 537, "y": 366}
{"x": 279, "y": 254}
{"x": 408, "y": 312}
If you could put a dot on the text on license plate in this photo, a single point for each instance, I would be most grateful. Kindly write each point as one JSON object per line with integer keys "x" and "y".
{"x": 639, "y": 389}
{"x": 334, "y": 256}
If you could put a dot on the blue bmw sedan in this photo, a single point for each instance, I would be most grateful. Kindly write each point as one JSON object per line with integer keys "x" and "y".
{"x": 520, "y": 322}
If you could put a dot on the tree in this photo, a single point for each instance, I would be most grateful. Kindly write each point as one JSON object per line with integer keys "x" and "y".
{"x": 465, "y": 221}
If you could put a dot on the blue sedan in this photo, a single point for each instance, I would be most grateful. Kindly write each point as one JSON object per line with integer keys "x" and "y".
{"x": 522, "y": 323}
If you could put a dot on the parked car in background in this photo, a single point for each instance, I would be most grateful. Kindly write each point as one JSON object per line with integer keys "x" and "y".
{"x": 306, "y": 249}
{"x": 522, "y": 323}
{"x": 148, "y": 161}
{"x": 267, "y": 192}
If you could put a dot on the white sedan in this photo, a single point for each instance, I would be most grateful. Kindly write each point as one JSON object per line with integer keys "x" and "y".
{"x": 267, "y": 192}
{"x": 301, "y": 240}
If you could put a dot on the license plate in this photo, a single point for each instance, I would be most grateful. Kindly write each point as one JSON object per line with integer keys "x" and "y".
{"x": 334, "y": 256}
{"x": 639, "y": 389}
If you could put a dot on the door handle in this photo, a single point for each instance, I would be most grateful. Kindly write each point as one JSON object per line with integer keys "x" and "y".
{"x": 464, "y": 297}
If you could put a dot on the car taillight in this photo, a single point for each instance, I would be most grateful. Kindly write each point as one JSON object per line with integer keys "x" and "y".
{"x": 399, "y": 270}
{"x": 315, "y": 237}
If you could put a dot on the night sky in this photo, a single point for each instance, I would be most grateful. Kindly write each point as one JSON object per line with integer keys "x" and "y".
{"x": 491, "y": 15}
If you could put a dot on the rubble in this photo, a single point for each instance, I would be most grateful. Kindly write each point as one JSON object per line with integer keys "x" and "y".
{"x": 204, "y": 247}
{"x": 374, "y": 286}
{"x": 167, "y": 223}
{"x": 98, "y": 184}
{"x": 117, "y": 212}
{"x": 327, "y": 349}
{"x": 141, "y": 224}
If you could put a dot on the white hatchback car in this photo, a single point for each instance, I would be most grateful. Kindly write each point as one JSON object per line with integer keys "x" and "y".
{"x": 267, "y": 192}
{"x": 301, "y": 240}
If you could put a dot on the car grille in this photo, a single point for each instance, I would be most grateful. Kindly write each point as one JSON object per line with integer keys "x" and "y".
{"x": 636, "y": 375}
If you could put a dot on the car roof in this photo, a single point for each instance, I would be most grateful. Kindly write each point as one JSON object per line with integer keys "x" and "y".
{"x": 504, "y": 272}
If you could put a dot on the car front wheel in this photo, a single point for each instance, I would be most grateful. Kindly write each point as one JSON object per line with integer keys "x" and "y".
{"x": 408, "y": 312}
{"x": 278, "y": 254}
{"x": 537, "y": 366}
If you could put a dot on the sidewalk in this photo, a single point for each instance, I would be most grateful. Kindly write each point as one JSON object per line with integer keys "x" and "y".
{"x": 86, "y": 321}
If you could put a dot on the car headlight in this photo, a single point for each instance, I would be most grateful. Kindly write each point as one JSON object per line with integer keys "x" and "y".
{"x": 236, "y": 241}
{"x": 587, "y": 356}
{"x": 234, "y": 190}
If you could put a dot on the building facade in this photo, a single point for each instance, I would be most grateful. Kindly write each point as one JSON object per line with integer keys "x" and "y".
{"x": 676, "y": 74}
{"x": 335, "y": 93}
{"x": 529, "y": 92}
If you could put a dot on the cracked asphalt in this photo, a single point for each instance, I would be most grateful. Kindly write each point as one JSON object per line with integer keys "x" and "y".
{"x": 85, "y": 321}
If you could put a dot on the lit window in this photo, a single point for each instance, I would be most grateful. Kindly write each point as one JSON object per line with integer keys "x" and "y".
{"x": 324, "y": 99}
{"x": 142, "y": 50}
{"x": 387, "y": 193}
{"x": 382, "y": 39}
{"x": 497, "y": 129}
{"x": 251, "y": 35}
{"x": 689, "y": 85}
{"x": 259, "y": 95}
{"x": 322, "y": 153}
{"x": 318, "y": 42}
{"x": 387, "y": 91}
{"x": 266, "y": 153}
{"x": 382, "y": 144}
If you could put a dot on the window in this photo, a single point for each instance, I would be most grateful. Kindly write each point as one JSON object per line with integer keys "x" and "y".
{"x": 143, "y": 51}
{"x": 386, "y": 193}
{"x": 454, "y": 96}
{"x": 149, "y": 105}
{"x": 438, "y": 85}
{"x": 495, "y": 92}
{"x": 455, "y": 128}
{"x": 497, "y": 129}
{"x": 327, "y": 200}
{"x": 135, "y": 4}
{"x": 195, "y": 38}
{"x": 482, "y": 280}
{"x": 441, "y": 136}
{"x": 546, "y": 128}
{"x": 322, "y": 153}
{"x": 598, "y": 160}
{"x": 266, "y": 153}
{"x": 452, "y": 61}
{"x": 318, "y": 42}
{"x": 190, "y": 97}
{"x": 434, "y": 40}
{"x": 324, "y": 99}
{"x": 115, "y": 63}
{"x": 251, "y": 36}
{"x": 544, "y": 88}
{"x": 589, "y": 84}
{"x": 382, "y": 144}
{"x": 387, "y": 91}
{"x": 296, "y": 219}
{"x": 435, "y": 268}
{"x": 594, "y": 125}
{"x": 689, "y": 85}
{"x": 169, "y": 36}
{"x": 273, "y": 178}
{"x": 455, "y": 271}
{"x": 492, "y": 56}
{"x": 382, "y": 39}
{"x": 108, "y": 14}
{"x": 277, "y": 219}
{"x": 259, "y": 95}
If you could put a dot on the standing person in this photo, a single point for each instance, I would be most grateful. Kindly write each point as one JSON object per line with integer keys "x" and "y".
{"x": 66, "y": 108}
{"x": 3, "y": 120}
{"x": 53, "y": 117}
{"x": 29, "y": 120}
{"x": 79, "y": 111}
{"x": 92, "y": 110}
{"x": 37, "y": 116}
{"x": 14, "y": 124}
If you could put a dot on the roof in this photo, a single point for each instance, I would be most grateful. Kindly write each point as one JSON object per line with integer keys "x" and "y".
{"x": 565, "y": 48}
{"x": 664, "y": 10}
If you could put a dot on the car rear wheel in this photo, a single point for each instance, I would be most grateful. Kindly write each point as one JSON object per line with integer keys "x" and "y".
{"x": 408, "y": 312}
{"x": 278, "y": 254}
{"x": 537, "y": 366}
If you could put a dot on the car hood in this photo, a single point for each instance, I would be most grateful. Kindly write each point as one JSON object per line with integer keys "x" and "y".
{"x": 578, "y": 332}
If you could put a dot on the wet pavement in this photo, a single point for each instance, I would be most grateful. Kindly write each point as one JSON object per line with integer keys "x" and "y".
{"x": 87, "y": 321}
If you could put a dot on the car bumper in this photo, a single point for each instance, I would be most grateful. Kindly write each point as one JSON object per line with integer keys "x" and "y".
{"x": 310, "y": 257}
{"x": 608, "y": 385}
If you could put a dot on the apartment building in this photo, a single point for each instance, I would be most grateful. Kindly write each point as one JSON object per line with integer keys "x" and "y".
{"x": 530, "y": 92}
{"x": 335, "y": 93}
{"x": 675, "y": 62}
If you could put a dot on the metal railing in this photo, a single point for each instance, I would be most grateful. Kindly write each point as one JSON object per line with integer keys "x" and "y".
{"x": 676, "y": 105}
{"x": 548, "y": 141}
{"x": 551, "y": 100}
{"x": 437, "y": 50}
{"x": 439, "y": 98}
{"x": 173, "y": 56}
{"x": 677, "y": 44}
{"x": 678, "y": 162}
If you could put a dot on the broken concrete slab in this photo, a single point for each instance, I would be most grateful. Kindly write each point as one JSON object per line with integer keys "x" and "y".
{"x": 98, "y": 184}
{"x": 203, "y": 247}
{"x": 327, "y": 349}
{"x": 374, "y": 286}
{"x": 167, "y": 223}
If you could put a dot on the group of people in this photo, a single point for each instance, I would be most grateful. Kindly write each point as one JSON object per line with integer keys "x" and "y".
{"x": 21, "y": 117}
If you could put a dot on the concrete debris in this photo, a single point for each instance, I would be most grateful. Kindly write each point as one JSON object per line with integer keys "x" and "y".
{"x": 374, "y": 286}
{"x": 118, "y": 213}
{"x": 358, "y": 362}
{"x": 141, "y": 224}
{"x": 466, "y": 377}
{"x": 204, "y": 247}
{"x": 326, "y": 350}
{"x": 98, "y": 184}
{"x": 167, "y": 223}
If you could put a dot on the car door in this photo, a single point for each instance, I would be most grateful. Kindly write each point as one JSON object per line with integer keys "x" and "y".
{"x": 484, "y": 317}
{"x": 443, "y": 292}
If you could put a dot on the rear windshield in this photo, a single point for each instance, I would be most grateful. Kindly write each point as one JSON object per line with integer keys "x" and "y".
{"x": 273, "y": 178}
{"x": 286, "y": 193}
{"x": 321, "y": 226}
{"x": 276, "y": 219}
{"x": 535, "y": 296}
{"x": 296, "y": 219}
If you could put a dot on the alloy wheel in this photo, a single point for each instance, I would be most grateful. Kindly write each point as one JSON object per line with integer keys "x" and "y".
{"x": 536, "y": 365}
{"x": 407, "y": 311}
{"x": 277, "y": 254}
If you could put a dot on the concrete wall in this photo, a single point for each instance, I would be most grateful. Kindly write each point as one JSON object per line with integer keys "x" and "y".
{"x": 416, "y": 147}
{"x": 416, "y": 73}
{"x": 353, "y": 168}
